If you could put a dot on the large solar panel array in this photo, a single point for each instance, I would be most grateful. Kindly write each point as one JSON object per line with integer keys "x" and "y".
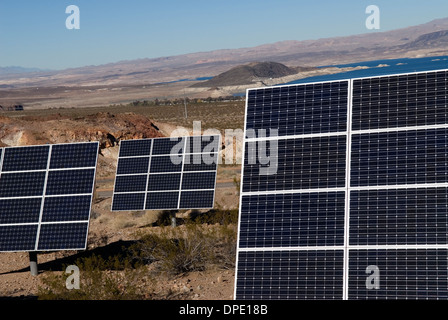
{"x": 166, "y": 173}
{"x": 45, "y": 196}
{"x": 356, "y": 206}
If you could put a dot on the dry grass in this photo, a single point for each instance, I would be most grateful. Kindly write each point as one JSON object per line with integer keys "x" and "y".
{"x": 217, "y": 115}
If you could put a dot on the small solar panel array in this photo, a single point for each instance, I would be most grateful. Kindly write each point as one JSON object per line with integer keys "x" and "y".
{"x": 360, "y": 184}
{"x": 45, "y": 196}
{"x": 166, "y": 173}
{"x": 46, "y": 191}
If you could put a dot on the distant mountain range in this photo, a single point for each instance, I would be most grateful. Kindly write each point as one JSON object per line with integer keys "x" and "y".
{"x": 430, "y": 39}
{"x": 17, "y": 69}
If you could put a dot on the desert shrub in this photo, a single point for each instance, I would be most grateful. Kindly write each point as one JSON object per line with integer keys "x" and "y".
{"x": 99, "y": 280}
{"x": 192, "y": 247}
{"x": 215, "y": 216}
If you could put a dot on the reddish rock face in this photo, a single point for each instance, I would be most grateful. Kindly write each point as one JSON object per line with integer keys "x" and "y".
{"x": 104, "y": 127}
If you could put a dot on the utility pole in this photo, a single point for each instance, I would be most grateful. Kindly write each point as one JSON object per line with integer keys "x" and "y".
{"x": 185, "y": 105}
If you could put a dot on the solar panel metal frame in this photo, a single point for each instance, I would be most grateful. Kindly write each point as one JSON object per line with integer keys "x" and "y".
{"x": 55, "y": 223}
{"x": 183, "y": 154}
{"x": 347, "y": 247}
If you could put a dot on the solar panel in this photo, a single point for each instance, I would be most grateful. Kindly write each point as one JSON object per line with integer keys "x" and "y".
{"x": 355, "y": 204}
{"x": 166, "y": 173}
{"x": 45, "y": 196}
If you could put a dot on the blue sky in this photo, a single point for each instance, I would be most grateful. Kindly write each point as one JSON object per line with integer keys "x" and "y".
{"x": 33, "y": 33}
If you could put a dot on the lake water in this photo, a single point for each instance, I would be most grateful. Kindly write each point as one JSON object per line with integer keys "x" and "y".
{"x": 394, "y": 66}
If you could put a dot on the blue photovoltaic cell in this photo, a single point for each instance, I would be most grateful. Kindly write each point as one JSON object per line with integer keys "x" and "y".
{"x": 164, "y": 182}
{"x": 198, "y": 180}
{"x": 22, "y": 184}
{"x": 399, "y": 217}
{"x": 399, "y": 101}
{"x": 70, "y": 181}
{"x": 196, "y": 199}
{"x": 162, "y": 200}
{"x": 201, "y": 162}
{"x": 128, "y": 201}
{"x": 18, "y": 237}
{"x": 403, "y": 274}
{"x": 25, "y": 158}
{"x": 133, "y": 165}
{"x": 281, "y": 275}
{"x": 130, "y": 183}
{"x": 77, "y": 155}
{"x": 132, "y": 148}
{"x": 300, "y": 164}
{"x": 167, "y": 146}
{"x": 399, "y": 157}
{"x": 67, "y": 208}
{"x": 164, "y": 164}
{"x": 20, "y": 210}
{"x": 295, "y": 219}
{"x": 299, "y": 109}
{"x": 63, "y": 236}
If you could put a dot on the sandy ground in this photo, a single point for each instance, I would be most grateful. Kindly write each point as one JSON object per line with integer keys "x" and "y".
{"x": 105, "y": 230}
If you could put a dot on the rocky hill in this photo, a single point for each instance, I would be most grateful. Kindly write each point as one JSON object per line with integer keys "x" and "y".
{"x": 104, "y": 127}
{"x": 250, "y": 73}
{"x": 428, "y": 40}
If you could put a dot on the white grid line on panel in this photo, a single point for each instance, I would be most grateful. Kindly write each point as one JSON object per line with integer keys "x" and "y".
{"x": 147, "y": 175}
{"x": 2, "y": 151}
{"x": 116, "y": 175}
{"x": 238, "y": 249}
{"x": 45, "y": 170}
{"x": 401, "y": 186}
{"x": 400, "y": 74}
{"x": 182, "y": 172}
{"x": 396, "y": 129}
{"x": 166, "y": 154}
{"x": 303, "y": 248}
{"x": 348, "y": 247}
{"x": 216, "y": 175}
{"x": 18, "y": 224}
{"x": 43, "y": 198}
{"x": 42, "y": 223}
{"x": 398, "y": 246}
{"x": 294, "y": 85}
{"x": 163, "y": 191}
{"x": 302, "y": 136}
{"x": 160, "y": 173}
{"x": 46, "y": 196}
{"x": 347, "y": 192}
{"x": 292, "y": 191}
{"x": 91, "y": 194}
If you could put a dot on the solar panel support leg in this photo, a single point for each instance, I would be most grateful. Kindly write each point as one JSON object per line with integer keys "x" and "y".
{"x": 173, "y": 220}
{"x": 33, "y": 263}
